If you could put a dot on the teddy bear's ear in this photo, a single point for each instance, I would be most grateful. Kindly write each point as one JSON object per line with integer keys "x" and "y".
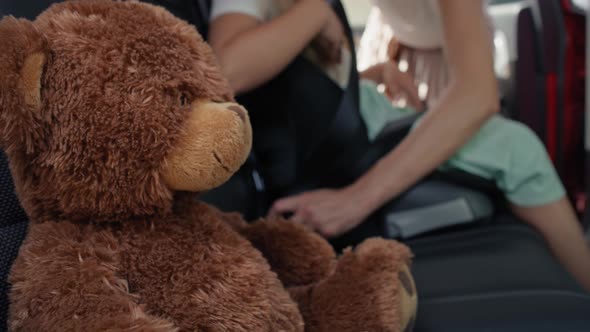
{"x": 23, "y": 54}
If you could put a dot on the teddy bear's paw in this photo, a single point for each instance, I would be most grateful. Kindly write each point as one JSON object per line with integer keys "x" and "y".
{"x": 377, "y": 248}
{"x": 371, "y": 290}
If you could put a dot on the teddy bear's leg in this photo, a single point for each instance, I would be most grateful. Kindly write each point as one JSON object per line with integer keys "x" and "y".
{"x": 371, "y": 289}
{"x": 65, "y": 281}
{"x": 298, "y": 255}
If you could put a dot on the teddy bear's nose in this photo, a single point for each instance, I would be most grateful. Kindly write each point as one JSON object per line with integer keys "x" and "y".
{"x": 239, "y": 110}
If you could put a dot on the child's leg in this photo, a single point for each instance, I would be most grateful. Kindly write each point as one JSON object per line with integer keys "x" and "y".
{"x": 559, "y": 225}
{"x": 512, "y": 155}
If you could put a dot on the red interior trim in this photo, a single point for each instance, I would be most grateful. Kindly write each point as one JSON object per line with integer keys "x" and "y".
{"x": 551, "y": 124}
{"x": 567, "y": 4}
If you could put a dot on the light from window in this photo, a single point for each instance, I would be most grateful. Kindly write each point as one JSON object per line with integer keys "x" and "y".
{"x": 581, "y": 4}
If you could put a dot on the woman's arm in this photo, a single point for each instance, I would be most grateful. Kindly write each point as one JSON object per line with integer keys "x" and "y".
{"x": 470, "y": 99}
{"x": 251, "y": 52}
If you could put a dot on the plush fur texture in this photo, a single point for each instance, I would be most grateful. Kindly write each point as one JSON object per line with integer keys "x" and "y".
{"x": 111, "y": 113}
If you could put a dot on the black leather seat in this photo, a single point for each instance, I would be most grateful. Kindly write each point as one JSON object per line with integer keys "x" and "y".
{"x": 24, "y": 9}
{"x": 494, "y": 277}
{"x": 13, "y": 228}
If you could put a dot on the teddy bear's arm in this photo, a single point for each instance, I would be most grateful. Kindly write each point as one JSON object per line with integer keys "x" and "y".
{"x": 298, "y": 255}
{"x": 62, "y": 281}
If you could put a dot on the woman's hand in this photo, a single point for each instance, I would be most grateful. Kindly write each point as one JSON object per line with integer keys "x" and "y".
{"x": 329, "y": 212}
{"x": 393, "y": 49}
{"x": 399, "y": 84}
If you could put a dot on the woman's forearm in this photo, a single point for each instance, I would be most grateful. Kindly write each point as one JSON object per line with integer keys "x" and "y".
{"x": 441, "y": 132}
{"x": 469, "y": 100}
{"x": 254, "y": 56}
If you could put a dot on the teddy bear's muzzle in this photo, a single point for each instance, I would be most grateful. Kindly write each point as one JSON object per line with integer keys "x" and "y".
{"x": 214, "y": 143}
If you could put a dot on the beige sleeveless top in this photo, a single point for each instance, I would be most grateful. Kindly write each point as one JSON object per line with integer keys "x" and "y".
{"x": 417, "y": 25}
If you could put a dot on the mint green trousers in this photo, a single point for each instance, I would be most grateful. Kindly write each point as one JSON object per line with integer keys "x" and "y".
{"x": 504, "y": 151}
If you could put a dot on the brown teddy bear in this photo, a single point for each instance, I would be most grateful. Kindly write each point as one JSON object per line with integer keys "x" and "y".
{"x": 113, "y": 114}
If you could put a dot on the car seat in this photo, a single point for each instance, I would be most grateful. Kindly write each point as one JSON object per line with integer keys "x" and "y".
{"x": 543, "y": 84}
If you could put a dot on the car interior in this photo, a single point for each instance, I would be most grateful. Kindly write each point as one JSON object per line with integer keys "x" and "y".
{"x": 476, "y": 267}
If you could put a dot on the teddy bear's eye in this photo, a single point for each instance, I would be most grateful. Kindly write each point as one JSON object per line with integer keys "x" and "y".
{"x": 184, "y": 99}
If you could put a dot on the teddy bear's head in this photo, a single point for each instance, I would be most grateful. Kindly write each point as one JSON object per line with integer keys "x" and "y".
{"x": 108, "y": 109}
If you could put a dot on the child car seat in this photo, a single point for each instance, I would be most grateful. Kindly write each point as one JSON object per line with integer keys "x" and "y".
{"x": 308, "y": 133}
